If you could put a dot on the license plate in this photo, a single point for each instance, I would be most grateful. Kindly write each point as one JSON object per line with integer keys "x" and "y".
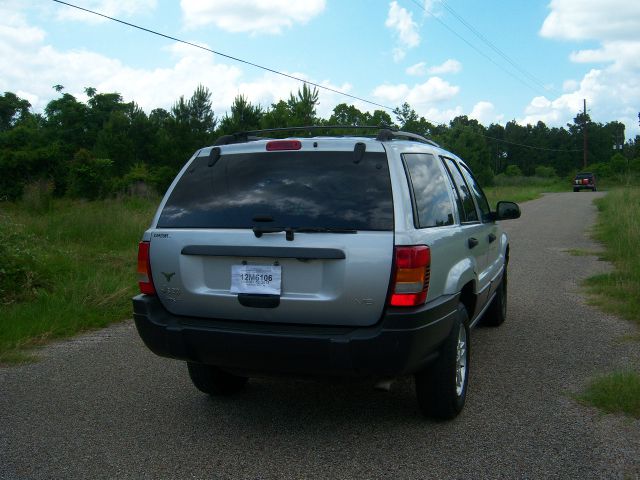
{"x": 260, "y": 279}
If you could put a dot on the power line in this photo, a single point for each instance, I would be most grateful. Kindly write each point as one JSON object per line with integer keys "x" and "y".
{"x": 246, "y": 62}
{"x": 480, "y": 52}
{"x": 292, "y": 77}
{"x": 491, "y": 44}
{"x": 531, "y": 146}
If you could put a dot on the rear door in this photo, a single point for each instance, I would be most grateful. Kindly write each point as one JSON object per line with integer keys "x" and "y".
{"x": 476, "y": 234}
{"x": 290, "y": 236}
{"x": 491, "y": 231}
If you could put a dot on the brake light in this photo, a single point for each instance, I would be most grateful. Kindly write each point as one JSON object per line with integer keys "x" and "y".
{"x": 410, "y": 276}
{"x": 145, "y": 282}
{"x": 283, "y": 145}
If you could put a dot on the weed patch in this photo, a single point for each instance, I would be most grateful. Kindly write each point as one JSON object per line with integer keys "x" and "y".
{"x": 618, "y": 392}
{"x": 66, "y": 269}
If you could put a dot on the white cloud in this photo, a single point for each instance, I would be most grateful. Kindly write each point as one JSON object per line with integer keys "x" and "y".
{"x": 434, "y": 90}
{"x": 580, "y": 20}
{"x": 612, "y": 90}
{"x": 253, "y": 16}
{"x": 604, "y": 103}
{"x": 406, "y": 30}
{"x": 417, "y": 70}
{"x": 485, "y": 113}
{"x": 112, "y": 8}
{"x": 450, "y": 66}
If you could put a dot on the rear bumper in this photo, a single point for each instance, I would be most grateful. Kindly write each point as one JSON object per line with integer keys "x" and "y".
{"x": 402, "y": 342}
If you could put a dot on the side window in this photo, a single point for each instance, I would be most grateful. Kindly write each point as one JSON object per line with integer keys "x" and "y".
{"x": 477, "y": 192}
{"x": 468, "y": 212}
{"x": 432, "y": 203}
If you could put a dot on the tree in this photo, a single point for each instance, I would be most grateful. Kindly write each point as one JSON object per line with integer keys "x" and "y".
{"x": 303, "y": 106}
{"x": 192, "y": 125}
{"x": 13, "y": 110}
{"x": 244, "y": 117}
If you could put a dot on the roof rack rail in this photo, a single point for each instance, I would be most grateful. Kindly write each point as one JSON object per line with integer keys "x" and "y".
{"x": 385, "y": 133}
{"x": 388, "y": 134}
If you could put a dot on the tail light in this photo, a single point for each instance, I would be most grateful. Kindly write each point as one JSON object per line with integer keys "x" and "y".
{"x": 145, "y": 282}
{"x": 410, "y": 279}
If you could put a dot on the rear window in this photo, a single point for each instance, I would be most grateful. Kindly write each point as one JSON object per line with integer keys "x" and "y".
{"x": 582, "y": 176}
{"x": 292, "y": 189}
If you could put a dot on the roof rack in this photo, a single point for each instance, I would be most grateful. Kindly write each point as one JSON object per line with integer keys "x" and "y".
{"x": 385, "y": 133}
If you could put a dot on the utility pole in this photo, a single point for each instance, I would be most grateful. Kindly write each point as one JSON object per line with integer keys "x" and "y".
{"x": 584, "y": 131}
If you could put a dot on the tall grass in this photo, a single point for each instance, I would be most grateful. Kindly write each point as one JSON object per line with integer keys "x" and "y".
{"x": 522, "y": 189}
{"x": 80, "y": 258}
{"x": 618, "y": 292}
{"x": 618, "y": 228}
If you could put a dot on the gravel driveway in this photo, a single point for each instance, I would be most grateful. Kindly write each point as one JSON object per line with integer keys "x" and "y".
{"x": 102, "y": 406}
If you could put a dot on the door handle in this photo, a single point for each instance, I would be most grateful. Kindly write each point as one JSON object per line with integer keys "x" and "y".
{"x": 492, "y": 238}
{"x": 472, "y": 242}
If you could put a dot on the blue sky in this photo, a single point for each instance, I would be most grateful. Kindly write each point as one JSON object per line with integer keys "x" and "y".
{"x": 418, "y": 51}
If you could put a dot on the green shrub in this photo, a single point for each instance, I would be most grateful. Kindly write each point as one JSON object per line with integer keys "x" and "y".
{"x": 545, "y": 172}
{"x": 513, "y": 171}
{"x": 19, "y": 274}
{"x": 89, "y": 178}
{"x": 601, "y": 170}
{"x": 619, "y": 163}
{"x": 161, "y": 178}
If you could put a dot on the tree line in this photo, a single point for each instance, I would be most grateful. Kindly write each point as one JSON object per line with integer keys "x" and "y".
{"x": 104, "y": 146}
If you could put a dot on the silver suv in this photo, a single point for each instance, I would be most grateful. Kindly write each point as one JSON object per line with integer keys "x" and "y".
{"x": 324, "y": 256}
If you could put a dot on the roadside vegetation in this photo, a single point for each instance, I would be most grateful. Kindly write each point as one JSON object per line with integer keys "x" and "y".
{"x": 618, "y": 292}
{"x": 618, "y": 229}
{"x": 67, "y": 266}
{"x": 617, "y": 392}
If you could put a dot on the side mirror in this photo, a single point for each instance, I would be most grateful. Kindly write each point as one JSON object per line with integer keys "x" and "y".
{"x": 507, "y": 211}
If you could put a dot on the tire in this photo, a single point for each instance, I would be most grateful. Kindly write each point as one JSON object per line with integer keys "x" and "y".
{"x": 496, "y": 314}
{"x": 210, "y": 379}
{"x": 441, "y": 388}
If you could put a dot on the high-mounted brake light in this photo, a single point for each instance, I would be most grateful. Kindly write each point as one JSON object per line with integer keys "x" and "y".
{"x": 145, "y": 282}
{"x": 275, "y": 145}
{"x": 410, "y": 280}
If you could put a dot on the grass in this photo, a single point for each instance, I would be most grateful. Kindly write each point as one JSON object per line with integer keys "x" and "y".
{"x": 522, "y": 189}
{"x": 618, "y": 229}
{"x": 618, "y": 392}
{"x": 66, "y": 268}
{"x": 618, "y": 292}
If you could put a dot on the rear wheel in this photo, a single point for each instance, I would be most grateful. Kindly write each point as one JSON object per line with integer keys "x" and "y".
{"x": 496, "y": 314}
{"x": 210, "y": 379}
{"x": 441, "y": 388}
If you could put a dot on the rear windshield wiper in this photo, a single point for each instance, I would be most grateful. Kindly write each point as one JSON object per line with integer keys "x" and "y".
{"x": 259, "y": 231}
